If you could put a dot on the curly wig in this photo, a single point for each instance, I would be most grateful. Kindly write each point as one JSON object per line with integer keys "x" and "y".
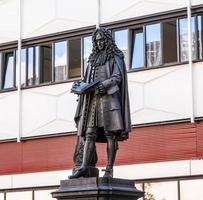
{"x": 111, "y": 48}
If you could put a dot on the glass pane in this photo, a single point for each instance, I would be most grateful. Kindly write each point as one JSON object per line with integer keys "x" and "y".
{"x": 200, "y": 33}
{"x": 37, "y": 61}
{"x": 161, "y": 191}
{"x": 43, "y": 194}
{"x": 60, "y": 61}
{"x": 31, "y": 66}
{"x": 153, "y": 45}
{"x": 74, "y": 58}
{"x": 169, "y": 42}
{"x": 9, "y": 71}
{"x": 27, "y": 195}
{"x": 121, "y": 40}
{"x": 46, "y": 63}
{"x": 138, "y": 49}
{"x": 23, "y": 67}
{"x": 87, "y": 50}
{"x": 184, "y": 39}
{"x": 191, "y": 189}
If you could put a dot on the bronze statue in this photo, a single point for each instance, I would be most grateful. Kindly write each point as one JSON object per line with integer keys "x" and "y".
{"x": 103, "y": 113}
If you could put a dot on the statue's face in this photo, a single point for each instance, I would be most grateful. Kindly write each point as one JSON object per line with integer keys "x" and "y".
{"x": 100, "y": 42}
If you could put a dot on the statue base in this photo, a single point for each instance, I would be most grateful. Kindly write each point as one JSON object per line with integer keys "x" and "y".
{"x": 97, "y": 189}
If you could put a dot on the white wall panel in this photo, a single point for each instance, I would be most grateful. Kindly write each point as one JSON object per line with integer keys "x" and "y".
{"x": 9, "y": 115}
{"x": 198, "y": 89}
{"x": 155, "y": 95}
{"x": 196, "y": 2}
{"x": 48, "y": 110}
{"x": 196, "y": 167}
{"x": 9, "y": 20}
{"x": 27, "y": 195}
{"x": 136, "y": 8}
{"x": 159, "y": 94}
{"x": 50, "y": 16}
{"x": 135, "y": 171}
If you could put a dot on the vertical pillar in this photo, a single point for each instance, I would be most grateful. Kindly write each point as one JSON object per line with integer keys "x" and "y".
{"x": 18, "y": 72}
{"x": 190, "y": 62}
{"x": 98, "y": 13}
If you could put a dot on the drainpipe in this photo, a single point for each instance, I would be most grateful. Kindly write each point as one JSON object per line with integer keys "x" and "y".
{"x": 190, "y": 62}
{"x": 18, "y": 71}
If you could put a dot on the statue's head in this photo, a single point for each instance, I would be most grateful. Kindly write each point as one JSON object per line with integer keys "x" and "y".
{"x": 100, "y": 41}
{"x": 103, "y": 41}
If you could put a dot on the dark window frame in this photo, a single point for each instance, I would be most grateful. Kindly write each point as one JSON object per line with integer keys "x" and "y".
{"x": 129, "y": 24}
{"x": 3, "y": 64}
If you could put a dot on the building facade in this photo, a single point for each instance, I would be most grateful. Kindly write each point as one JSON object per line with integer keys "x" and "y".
{"x": 44, "y": 47}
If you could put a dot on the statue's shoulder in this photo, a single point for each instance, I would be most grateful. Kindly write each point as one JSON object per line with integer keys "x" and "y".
{"x": 119, "y": 60}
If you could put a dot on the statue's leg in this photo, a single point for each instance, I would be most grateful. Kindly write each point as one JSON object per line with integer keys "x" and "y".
{"x": 112, "y": 147}
{"x": 89, "y": 150}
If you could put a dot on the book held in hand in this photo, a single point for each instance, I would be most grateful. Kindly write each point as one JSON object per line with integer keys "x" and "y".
{"x": 81, "y": 87}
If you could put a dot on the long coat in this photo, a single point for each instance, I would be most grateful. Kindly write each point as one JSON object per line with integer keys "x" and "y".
{"x": 114, "y": 108}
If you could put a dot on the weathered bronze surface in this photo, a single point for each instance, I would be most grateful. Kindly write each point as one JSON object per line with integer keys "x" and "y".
{"x": 97, "y": 189}
{"x": 103, "y": 113}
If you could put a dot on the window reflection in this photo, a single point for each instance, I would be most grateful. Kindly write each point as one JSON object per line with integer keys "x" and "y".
{"x": 23, "y": 67}
{"x": 200, "y": 33}
{"x": 169, "y": 42}
{"x": 87, "y": 41}
{"x": 74, "y": 58}
{"x": 161, "y": 191}
{"x": 138, "y": 49}
{"x": 60, "y": 61}
{"x": 183, "y": 30}
{"x": 8, "y": 79}
{"x": 30, "y": 66}
{"x": 37, "y": 64}
{"x": 46, "y": 63}
{"x": 191, "y": 189}
{"x": 121, "y": 40}
{"x": 153, "y": 45}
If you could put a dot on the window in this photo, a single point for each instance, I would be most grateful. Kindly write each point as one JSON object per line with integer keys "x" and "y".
{"x": 153, "y": 45}
{"x": 87, "y": 49}
{"x": 200, "y": 36}
{"x": 183, "y": 37}
{"x": 169, "y": 41}
{"x": 8, "y": 70}
{"x": 46, "y": 63}
{"x": 23, "y": 67}
{"x": 74, "y": 58}
{"x": 30, "y": 74}
{"x": 37, "y": 64}
{"x": 137, "y": 58}
{"x": 121, "y": 40}
{"x": 60, "y": 61}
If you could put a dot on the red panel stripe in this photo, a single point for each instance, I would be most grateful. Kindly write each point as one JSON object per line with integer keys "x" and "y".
{"x": 146, "y": 144}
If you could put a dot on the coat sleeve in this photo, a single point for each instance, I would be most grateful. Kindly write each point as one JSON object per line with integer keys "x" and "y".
{"x": 112, "y": 84}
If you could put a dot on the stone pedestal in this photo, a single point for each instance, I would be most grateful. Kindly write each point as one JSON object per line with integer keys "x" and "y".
{"x": 97, "y": 189}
